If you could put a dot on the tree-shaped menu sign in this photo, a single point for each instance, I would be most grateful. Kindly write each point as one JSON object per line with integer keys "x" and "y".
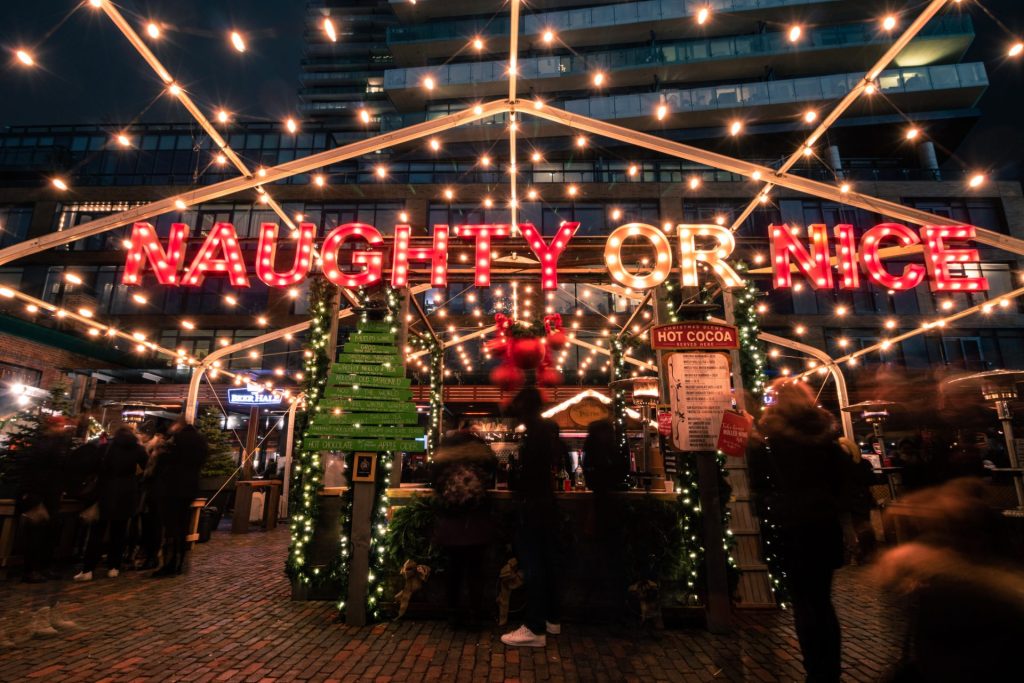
{"x": 367, "y": 404}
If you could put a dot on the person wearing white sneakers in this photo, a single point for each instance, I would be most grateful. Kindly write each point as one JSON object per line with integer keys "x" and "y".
{"x": 541, "y": 453}
{"x": 121, "y": 462}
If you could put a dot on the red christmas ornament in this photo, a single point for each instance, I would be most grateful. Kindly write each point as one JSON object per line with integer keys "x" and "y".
{"x": 548, "y": 377}
{"x": 553, "y": 327}
{"x": 527, "y": 352}
{"x": 507, "y": 376}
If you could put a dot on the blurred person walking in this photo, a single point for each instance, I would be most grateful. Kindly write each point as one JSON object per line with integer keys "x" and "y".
{"x": 960, "y": 587}
{"x": 39, "y": 502}
{"x": 120, "y": 464}
{"x": 540, "y": 453}
{"x": 798, "y": 473}
{"x": 176, "y": 484}
{"x": 860, "y": 535}
{"x": 463, "y": 472}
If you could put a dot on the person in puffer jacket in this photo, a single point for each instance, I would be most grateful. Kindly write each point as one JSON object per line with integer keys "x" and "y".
{"x": 462, "y": 475}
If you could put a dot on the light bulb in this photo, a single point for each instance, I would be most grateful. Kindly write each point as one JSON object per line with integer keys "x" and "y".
{"x": 25, "y": 58}
{"x": 291, "y": 126}
{"x": 794, "y": 33}
{"x": 735, "y": 128}
{"x": 237, "y": 41}
{"x": 703, "y": 14}
{"x": 328, "y": 25}
{"x": 59, "y": 183}
{"x": 548, "y": 37}
{"x": 153, "y": 30}
{"x": 889, "y": 23}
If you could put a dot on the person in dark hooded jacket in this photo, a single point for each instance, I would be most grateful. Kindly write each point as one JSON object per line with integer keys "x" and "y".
{"x": 798, "y": 474}
{"x": 121, "y": 461}
{"x": 176, "y": 484}
{"x": 462, "y": 472}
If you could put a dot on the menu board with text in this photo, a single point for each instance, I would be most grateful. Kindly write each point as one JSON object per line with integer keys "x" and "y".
{"x": 700, "y": 392}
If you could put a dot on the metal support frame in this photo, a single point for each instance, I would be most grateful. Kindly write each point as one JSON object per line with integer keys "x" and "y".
{"x": 844, "y": 104}
{"x": 192, "y": 400}
{"x": 746, "y": 168}
{"x": 827, "y": 362}
{"x": 140, "y": 46}
{"x": 273, "y": 174}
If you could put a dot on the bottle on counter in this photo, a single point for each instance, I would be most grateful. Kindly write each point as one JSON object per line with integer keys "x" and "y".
{"x": 581, "y": 483}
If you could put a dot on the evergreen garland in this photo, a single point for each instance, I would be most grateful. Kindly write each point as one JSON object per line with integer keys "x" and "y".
{"x": 307, "y": 474}
{"x": 427, "y": 342}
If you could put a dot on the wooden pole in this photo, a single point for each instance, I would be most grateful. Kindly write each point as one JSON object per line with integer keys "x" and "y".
{"x": 359, "y": 553}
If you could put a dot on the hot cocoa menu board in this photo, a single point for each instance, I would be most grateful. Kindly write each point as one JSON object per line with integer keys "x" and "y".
{"x": 700, "y": 393}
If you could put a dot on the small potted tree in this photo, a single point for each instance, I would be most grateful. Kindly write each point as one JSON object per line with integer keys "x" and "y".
{"x": 220, "y": 468}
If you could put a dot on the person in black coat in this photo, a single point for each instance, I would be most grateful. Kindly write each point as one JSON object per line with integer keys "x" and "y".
{"x": 540, "y": 452}
{"x": 798, "y": 474}
{"x": 176, "y": 482}
{"x": 39, "y": 500}
{"x": 462, "y": 473}
{"x": 121, "y": 462}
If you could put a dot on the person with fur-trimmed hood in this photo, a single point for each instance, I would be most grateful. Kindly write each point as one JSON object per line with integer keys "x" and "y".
{"x": 798, "y": 474}
{"x": 462, "y": 473}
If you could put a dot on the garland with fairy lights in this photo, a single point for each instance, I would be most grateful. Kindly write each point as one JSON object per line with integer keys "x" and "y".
{"x": 379, "y": 508}
{"x": 747, "y": 314}
{"x": 428, "y": 343}
{"x": 307, "y": 475}
{"x": 620, "y": 347}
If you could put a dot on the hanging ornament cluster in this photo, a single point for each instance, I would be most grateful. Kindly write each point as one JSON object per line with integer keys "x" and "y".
{"x": 525, "y": 347}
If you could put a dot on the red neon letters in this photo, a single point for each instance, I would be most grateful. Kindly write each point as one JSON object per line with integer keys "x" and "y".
{"x": 815, "y": 266}
{"x": 548, "y": 254}
{"x": 221, "y": 254}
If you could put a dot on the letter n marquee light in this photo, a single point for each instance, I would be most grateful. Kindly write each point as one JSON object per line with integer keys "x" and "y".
{"x": 371, "y": 259}
{"x": 437, "y": 255}
{"x": 937, "y": 258}
{"x": 913, "y": 273}
{"x": 548, "y": 254}
{"x": 814, "y": 265}
{"x": 267, "y": 255}
{"x": 483, "y": 235}
{"x": 221, "y": 238}
{"x": 145, "y": 246}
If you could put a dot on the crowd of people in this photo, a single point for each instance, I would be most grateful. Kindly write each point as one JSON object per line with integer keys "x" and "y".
{"x": 135, "y": 489}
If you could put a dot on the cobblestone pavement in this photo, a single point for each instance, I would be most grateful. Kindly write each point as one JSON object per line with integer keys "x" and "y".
{"x": 231, "y": 619}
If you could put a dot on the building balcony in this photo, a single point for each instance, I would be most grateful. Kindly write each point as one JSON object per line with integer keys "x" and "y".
{"x": 409, "y": 12}
{"x": 947, "y": 86}
{"x": 626, "y": 22}
{"x": 825, "y": 50}
{"x": 917, "y": 89}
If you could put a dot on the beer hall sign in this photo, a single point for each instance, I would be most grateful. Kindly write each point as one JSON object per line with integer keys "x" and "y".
{"x": 709, "y": 245}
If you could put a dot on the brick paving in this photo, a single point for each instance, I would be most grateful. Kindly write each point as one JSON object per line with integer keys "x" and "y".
{"x": 231, "y": 619}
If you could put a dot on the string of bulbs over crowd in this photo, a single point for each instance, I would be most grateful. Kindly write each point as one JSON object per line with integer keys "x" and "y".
{"x": 600, "y": 79}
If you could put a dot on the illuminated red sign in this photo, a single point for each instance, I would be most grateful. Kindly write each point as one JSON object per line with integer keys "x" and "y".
{"x": 707, "y": 246}
{"x": 694, "y": 335}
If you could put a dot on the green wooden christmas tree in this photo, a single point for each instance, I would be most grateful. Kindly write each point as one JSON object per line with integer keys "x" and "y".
{"x": 367, "y": 404}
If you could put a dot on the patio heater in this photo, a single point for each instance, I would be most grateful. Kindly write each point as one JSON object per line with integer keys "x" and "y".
{"x": 875, "y": 413}
{"x": 999, "y": 388}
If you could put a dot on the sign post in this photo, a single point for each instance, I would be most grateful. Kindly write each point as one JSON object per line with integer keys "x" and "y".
{"x": 696, "y": 377}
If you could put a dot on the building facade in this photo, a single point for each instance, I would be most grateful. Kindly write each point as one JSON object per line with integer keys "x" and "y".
{"x": 662, "y": 70}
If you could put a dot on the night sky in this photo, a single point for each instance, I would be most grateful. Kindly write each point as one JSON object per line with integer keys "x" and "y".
{"x": 90, "y": 74}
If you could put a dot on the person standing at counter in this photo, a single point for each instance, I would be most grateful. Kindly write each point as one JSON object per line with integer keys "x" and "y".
{"x": 462, "y": 473}
{"x": 540, "y": 452}
{"x": 798, "y": 473}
